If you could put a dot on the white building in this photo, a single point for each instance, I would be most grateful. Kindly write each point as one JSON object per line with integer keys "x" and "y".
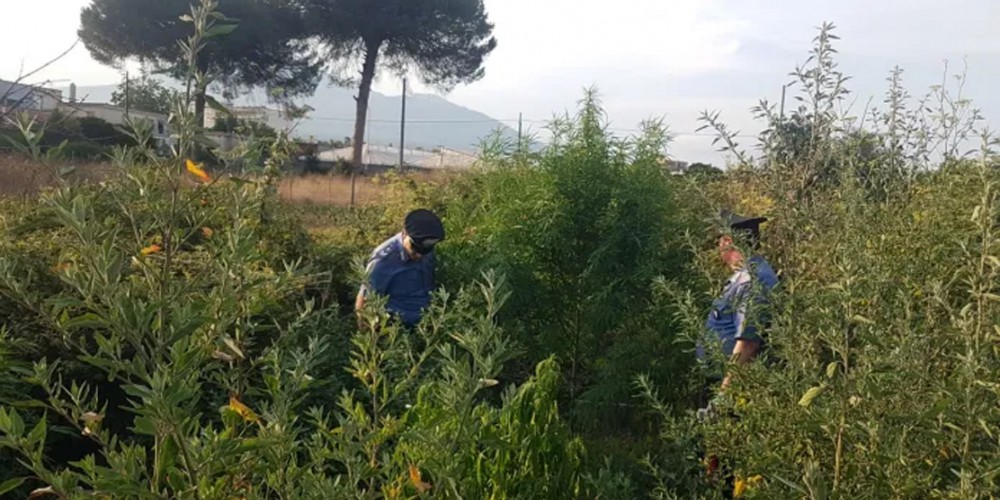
{"x": 388, "y": 156}
{"x": 116, "y": 115}
{"x": 16, "y": 97}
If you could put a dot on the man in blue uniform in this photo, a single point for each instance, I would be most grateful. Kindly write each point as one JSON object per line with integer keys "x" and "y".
{"x": 402, "y": 268}
{"x": 742, "y": 309}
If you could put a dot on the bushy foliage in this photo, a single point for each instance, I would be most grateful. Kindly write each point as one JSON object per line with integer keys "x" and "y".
{"x": 877, "y": 382}
{"x": 166, "y": 349}
{"x": 580, "y": 230}
{"x": 170, "y": 333}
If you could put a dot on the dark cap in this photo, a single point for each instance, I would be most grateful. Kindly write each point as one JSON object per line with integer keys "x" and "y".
{"x": 424, "y": 227}
{"x": 735, "y": 221}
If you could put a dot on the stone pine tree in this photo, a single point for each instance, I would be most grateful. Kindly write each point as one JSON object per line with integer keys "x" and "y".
{"x": 267, "y": 49}
{"x": 444, "y": 42}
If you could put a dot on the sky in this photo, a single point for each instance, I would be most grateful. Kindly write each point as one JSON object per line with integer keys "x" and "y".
{"x": 648, "y": 58}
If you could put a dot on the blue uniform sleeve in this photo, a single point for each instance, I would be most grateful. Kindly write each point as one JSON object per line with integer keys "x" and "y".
{"x": 378, "y": 277}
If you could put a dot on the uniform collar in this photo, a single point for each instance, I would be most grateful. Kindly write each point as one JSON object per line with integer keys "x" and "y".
{"x": 405, "y": 257}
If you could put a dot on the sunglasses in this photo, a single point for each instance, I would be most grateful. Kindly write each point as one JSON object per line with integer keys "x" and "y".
{"x": 422, "y": 247}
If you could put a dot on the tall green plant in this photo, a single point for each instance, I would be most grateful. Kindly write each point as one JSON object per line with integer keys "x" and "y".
{"x": 876, "y": 383}
{"x": 580, "y": 230}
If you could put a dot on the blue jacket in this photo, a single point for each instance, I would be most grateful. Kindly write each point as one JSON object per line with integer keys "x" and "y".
{"x": 407, "y": 283}
{"x": 743, "y": 305}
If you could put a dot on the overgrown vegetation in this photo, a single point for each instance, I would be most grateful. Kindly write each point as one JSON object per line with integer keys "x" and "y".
{"x": 170, "y": 334}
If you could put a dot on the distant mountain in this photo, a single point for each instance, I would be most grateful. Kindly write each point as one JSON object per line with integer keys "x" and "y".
{"x": 432, "y": 121}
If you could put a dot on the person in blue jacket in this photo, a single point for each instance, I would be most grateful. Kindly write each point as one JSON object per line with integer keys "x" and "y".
{"x": 741, "y": 310}
{"x": 402, "y": 268}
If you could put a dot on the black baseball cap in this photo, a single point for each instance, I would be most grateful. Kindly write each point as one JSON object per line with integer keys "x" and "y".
{"x": 739, "y": 222}
{"x": 425, "y": 229}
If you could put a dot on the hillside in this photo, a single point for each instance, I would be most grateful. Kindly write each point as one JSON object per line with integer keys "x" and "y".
{"x": 432, "y": 121}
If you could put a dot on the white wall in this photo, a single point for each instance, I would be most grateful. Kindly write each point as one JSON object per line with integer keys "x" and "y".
{"x": 26, "y": 97}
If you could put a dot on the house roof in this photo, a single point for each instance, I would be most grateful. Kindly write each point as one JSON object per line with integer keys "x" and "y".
{"x": 110, "y": 107}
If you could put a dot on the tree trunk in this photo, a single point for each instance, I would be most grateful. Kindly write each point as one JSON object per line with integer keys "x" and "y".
{"x": 364, "y": 92}
{"x": 199, "y": 106}
{"x": 197, "y": 149}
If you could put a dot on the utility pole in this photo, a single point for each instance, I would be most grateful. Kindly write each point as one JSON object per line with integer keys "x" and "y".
{"x": 402, "y": 129}
{"x": 128, "y": 94}
{"x": 520, "y": 128}
{"x": 783, "y": 89}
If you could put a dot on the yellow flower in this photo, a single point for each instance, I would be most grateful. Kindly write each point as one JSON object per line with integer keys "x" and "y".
{"x": 197, "y": 171}
{"x": 754, "y": 480}
{"x": 243, "y": 410}
{"x": 739, "y": 487}
{"x": 418, "y": 480}
{"x": 151, "y": 249}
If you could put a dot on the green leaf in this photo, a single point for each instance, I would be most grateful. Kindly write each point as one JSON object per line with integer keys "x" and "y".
{"x": 11, "y": 484}
{"x": 831, "y": 369}
{"x": 861, "y": 319}
{"x": 167, "y": 452}
{"x": 37, "y": 434}
{"x": 89, "y": 320}
{"x": 239, "y": 181}
{"x": 965, "y": 310}
{"x": 29, "y": 403}
{"x": 216, "y": 105}
{"x": 810, "y": 395}
{"x": 231, "y": 344}
{"x": 220, "y": 30}
{"x": 144, "y": 426}
{"x": 4, "y": 421}
{"x": 16, "y": 424}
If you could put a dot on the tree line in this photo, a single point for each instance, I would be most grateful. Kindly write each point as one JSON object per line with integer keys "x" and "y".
{"x": 288, "y": 46}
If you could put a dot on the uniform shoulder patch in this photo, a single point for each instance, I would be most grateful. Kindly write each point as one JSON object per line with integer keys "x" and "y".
{"x": 385, "y": 249}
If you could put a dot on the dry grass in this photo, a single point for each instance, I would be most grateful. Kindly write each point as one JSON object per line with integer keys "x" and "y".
{"x": 20, "y": 176}
{"x": 335, "y": 190}
{"x": 328, "y": 190}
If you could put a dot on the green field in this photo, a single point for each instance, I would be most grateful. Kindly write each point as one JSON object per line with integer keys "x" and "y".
{"x": 169, "y": 334}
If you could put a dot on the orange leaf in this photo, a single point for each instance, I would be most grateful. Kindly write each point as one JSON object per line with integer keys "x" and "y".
{"x": 151, "y": 249}
{"x": 197, "y": 171}
{"x": 207, "y": 232}
{"x": 418, "y": 480}
{"x": 242, "y": 409}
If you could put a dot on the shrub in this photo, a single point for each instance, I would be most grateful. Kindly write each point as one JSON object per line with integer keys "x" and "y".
{"x": 580, "y": 230}
{"x": 876, "y": 384}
